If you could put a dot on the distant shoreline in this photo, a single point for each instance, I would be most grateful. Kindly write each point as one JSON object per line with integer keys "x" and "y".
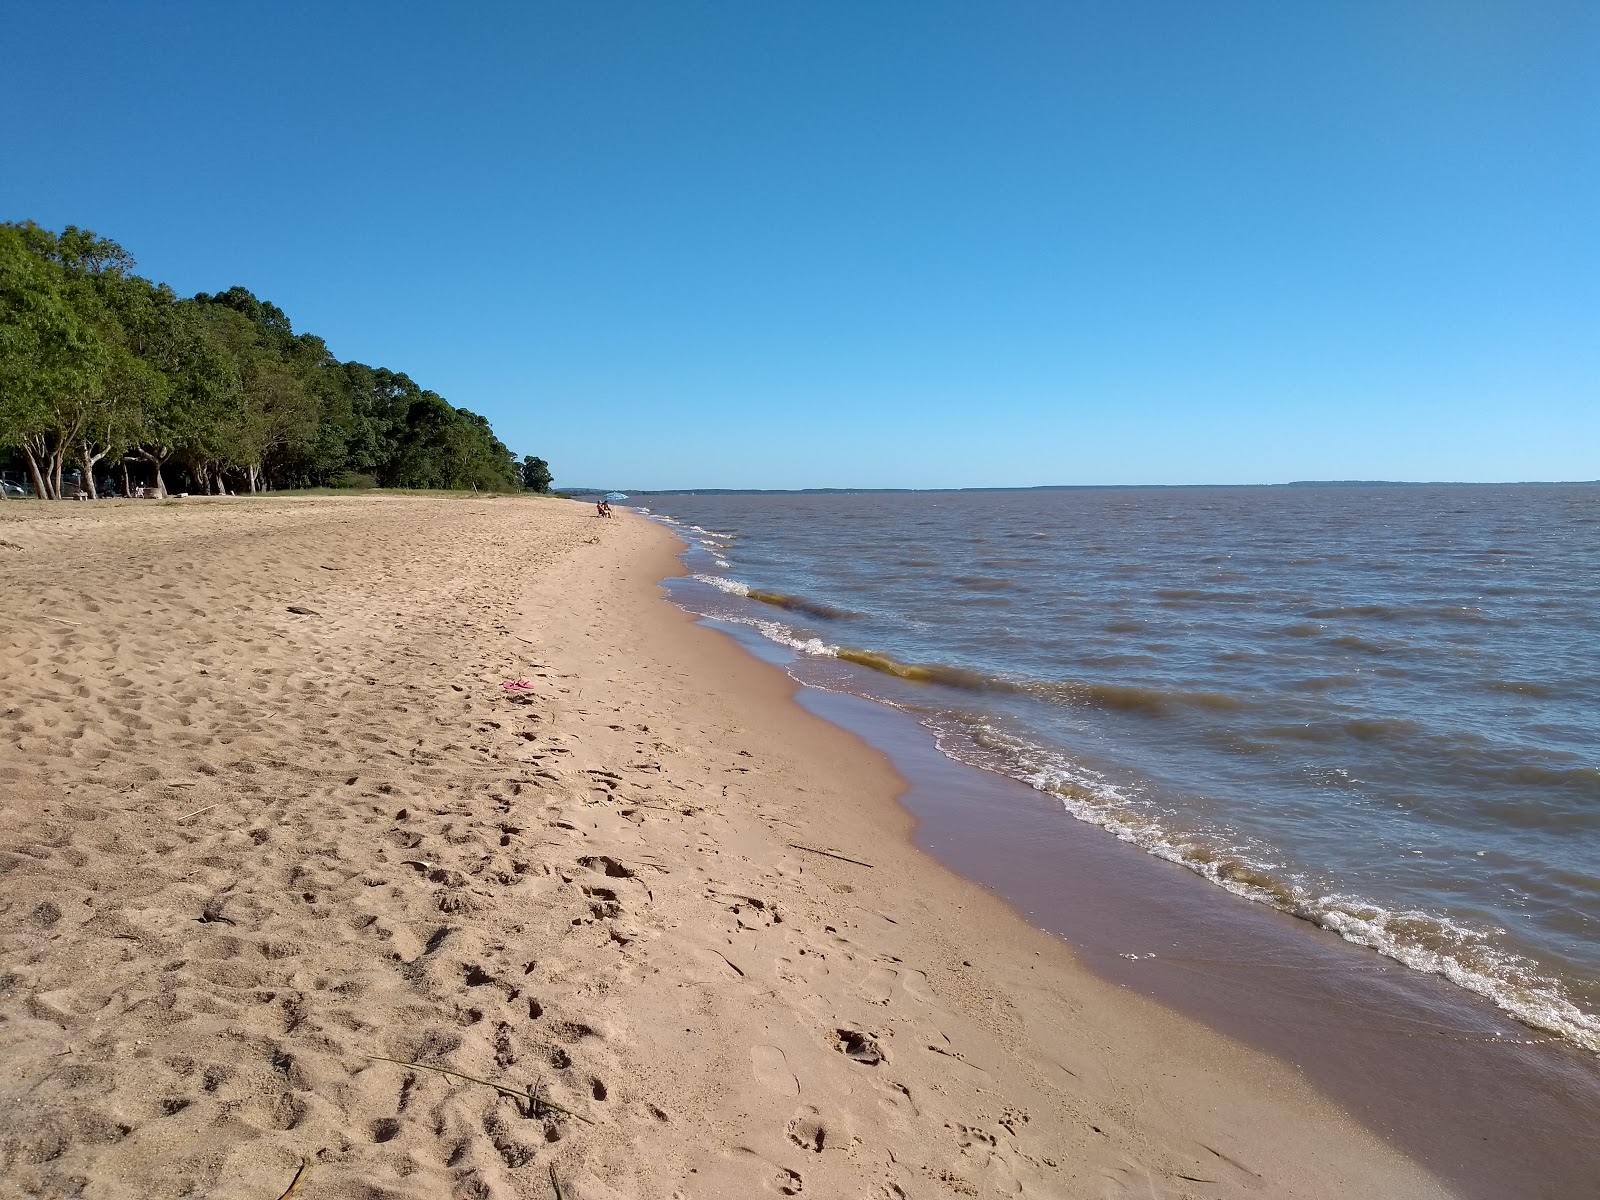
{"x": 1073, "y": 487}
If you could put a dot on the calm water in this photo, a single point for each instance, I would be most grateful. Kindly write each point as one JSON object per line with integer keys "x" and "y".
{"x": 1376, "y": 708}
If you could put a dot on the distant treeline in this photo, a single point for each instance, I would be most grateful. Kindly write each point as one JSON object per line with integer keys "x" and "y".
{"x": 106, "y": 374}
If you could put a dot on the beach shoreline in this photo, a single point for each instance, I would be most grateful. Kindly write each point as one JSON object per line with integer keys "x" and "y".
{"x": 1522, "y": 1107}
{"x": 263, "y": 858}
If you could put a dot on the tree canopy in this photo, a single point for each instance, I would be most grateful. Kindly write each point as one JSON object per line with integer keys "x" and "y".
{"x": 212, "y": 393}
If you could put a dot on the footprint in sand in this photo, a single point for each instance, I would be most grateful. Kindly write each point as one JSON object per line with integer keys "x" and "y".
{"x": 770, "y": 1066}
{"x": 806, "y": 1130}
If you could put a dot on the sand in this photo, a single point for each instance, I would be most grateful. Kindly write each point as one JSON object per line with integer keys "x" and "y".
{"x": 248, "y": 854}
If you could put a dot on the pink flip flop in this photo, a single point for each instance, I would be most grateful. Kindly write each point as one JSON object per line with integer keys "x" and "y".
{"x": 517, "y": 685}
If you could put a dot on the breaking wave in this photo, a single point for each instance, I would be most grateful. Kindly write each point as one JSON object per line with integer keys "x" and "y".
{"x": 1422, "y": 941}
{"x": 799, "y": 604}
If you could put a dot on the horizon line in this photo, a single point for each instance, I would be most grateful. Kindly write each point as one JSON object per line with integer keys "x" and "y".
{"x": 1074, "y": 487}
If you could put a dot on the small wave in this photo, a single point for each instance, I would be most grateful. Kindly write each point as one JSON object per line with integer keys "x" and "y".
{"x": 983, "y": 583}
{"x": 1325, "y": 683}
{"x": 1109, "y": 696}
{"x": 1351, "y": 642}
{"x": 1419, "y": 940}
{"x": 1380, "y": 611}
{"x": 971, "y": 681}
{"x": 1585, "y": 781}
{"x": 1177, "y": 596}
{"x": 723, "y": 584}
{"x": 1150, "y": 702}
{"x": 1521, "y": 688}
{"x": 812, "y": 608}
{"x": 1383, "y": 612}
{"x": 776, "y": 631}
{"x": 1378, "y": 729}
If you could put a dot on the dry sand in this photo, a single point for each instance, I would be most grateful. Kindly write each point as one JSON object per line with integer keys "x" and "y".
{"x": 246, "y": 853}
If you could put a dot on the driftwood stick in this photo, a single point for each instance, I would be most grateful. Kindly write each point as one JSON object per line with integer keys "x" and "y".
{"x": 829, "y": 854}
{"x": 299, "y": 1178}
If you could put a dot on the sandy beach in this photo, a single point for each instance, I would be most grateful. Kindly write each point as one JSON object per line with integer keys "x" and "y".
{"x": 271, "y": 829}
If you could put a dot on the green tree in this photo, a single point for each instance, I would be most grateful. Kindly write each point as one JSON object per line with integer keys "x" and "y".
{"x": 536, "y": 475}
{"x": 97, "y": 363}
{"x": 51, "y": 360}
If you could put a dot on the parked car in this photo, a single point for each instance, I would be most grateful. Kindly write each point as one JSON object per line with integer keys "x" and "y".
{"x": 15, "y": 491}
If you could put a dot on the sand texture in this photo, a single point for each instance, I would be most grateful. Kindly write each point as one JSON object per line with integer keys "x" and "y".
{"x": 248, "y": 853}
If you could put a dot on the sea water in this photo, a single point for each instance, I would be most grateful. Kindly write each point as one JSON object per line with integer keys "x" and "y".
{"x": 1376, "y": 708}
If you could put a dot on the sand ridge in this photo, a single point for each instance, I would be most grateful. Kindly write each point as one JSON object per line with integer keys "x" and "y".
{"x": 250, "y": 856}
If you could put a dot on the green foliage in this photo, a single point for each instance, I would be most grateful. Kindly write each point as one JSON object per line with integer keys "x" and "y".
{"x": 97, "y": 363}
{"x": 536, "y": 475}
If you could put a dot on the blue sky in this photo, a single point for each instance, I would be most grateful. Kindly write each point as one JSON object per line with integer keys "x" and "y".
{"x": 878, "y": 244}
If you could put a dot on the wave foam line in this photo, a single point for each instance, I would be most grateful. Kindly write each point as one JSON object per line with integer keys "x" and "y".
{"x": 1423, "y": 941}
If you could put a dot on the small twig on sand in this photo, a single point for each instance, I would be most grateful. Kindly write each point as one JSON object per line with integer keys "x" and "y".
{"x": 195, "y": 813}
{"x": 299, "y": 1178}
{"x": 829, "y": 854}
{"x": 59, "y": 621}
{"x": 556, "y": 1183}
{"x": 534, "y": 1101}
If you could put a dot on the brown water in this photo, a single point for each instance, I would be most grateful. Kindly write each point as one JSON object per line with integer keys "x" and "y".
{"x": 1376, "y": 709}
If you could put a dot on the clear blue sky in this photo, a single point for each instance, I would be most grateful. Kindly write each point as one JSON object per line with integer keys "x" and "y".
{"x": 877, "y": 244}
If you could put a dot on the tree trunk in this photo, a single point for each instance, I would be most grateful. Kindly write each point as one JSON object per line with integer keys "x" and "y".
{"x": 42, "y": 461}
{"x": 155, "y": 462}
{"x": 126, "y": 490}
{"x": 254, "y": 474}
{"x": 89, "y": 459}
{"x": 39, "y": 489}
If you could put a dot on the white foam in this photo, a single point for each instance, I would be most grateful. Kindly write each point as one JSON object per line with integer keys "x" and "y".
{"x": 1459, "y": 954}
{"x": 723, "y": 584}
{"x": 777, "y": 631}
{"x": 773, "y": 631}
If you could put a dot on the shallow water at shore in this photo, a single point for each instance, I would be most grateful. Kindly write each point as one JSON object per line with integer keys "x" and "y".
{"x": 1371, "y": 708}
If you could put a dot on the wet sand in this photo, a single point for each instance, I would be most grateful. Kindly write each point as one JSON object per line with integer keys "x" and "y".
{"x": 251, "y": 855}
{"x": 1498, "y": 1110}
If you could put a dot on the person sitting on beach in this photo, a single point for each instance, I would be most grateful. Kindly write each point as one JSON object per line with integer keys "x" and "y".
{"x": 600, "y": 508}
